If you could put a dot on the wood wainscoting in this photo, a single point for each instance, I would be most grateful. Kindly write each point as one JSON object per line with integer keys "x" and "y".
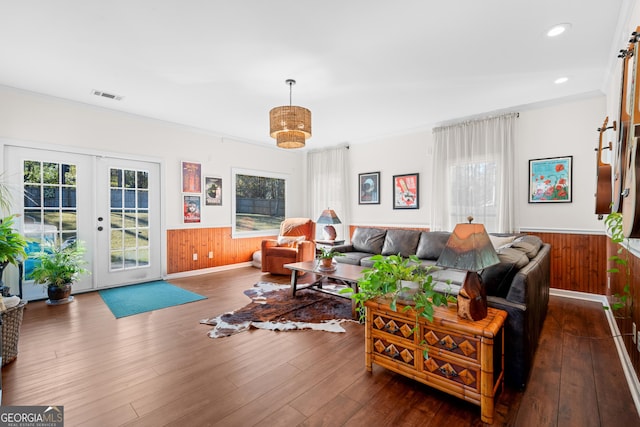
{"x": 578, "y": 261}
{"x": 183, "y": 243}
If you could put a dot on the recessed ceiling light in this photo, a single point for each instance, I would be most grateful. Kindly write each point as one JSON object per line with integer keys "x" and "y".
{"x": 556, "y": 30}
{"x": 561, "y": 80}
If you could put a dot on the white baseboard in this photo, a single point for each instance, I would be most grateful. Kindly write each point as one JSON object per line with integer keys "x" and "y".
{"x": 207, "y": 270}
{"x": 627, "y": 366}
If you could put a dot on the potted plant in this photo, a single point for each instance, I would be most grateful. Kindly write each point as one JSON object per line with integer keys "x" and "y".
{"x": 399, "y": 278}
{"x": 621, "y": 266}
{"x": 12, "y": 246}
{"x": 326, "y": 256}
{"x": 59, "y": 267}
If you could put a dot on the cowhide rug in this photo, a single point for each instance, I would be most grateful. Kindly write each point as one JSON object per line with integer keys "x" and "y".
{"x": 272, "y": 307}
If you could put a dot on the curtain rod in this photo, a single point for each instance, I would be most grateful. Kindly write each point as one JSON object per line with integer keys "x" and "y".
{"x": 478, "y": 119}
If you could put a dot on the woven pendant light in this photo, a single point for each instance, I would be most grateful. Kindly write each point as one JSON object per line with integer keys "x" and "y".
{"x": 290, "y": 125}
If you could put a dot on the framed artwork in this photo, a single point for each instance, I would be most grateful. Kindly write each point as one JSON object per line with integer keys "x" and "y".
{"x": 369, "y": 188}
{"x": 191, "y": 177}
{"x": 191, "y": 209}
{"x": 405, "y": 191}
{"x": 550, "y": 180}
{"x": 212, "y": 191}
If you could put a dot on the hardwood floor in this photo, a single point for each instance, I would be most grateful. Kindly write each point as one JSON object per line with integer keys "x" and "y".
{"x": 160, "y": 368}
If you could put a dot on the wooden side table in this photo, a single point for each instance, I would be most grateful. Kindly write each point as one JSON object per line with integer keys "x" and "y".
{"x": 463, "y": 358}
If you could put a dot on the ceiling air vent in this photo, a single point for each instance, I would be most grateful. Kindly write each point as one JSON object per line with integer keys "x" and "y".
{"x": 107, "y": 95}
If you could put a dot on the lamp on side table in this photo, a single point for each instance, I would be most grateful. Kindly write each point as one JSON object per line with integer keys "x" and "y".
{"x": 469, "y": 248}
{"x": 329, "y": 217}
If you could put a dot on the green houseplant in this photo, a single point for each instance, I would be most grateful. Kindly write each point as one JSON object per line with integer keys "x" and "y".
{"x": 59, "y": 267}
{"x": 326, "y": 256}
{"x": 391, "y": 276}
{"x": 613, "y": 222}
{"x": 12, "y": 245}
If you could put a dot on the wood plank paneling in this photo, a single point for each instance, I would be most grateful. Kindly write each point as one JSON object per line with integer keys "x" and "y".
{"x": 183, "y": 243}
{"x": 578, "y": 261}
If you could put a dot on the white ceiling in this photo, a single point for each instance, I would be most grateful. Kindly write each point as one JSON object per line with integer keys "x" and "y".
{"x": 365, "y": 68}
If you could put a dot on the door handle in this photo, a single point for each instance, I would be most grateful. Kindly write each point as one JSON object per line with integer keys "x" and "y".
{"x": 100, "y": 228}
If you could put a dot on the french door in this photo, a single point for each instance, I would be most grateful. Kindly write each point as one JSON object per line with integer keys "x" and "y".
{"x": 110, "y": 205}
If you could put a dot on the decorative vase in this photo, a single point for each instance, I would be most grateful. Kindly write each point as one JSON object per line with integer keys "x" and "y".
{"x": 59, "y": 294}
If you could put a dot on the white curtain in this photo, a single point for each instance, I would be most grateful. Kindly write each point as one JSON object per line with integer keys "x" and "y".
{"x": 473, "y": 174}
{"x": 328, "y": 179}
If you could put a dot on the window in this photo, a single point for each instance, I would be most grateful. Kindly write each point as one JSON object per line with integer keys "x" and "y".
{"x": 473, "y": 192}
{"x": 129, "y": 210}
{"x": 259, "y": 203}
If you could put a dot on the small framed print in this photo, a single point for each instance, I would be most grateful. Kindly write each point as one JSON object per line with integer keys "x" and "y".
{"x": 369, "y": 188}
{"x": 191, "y": 177}
{"x": 191, "y": 209}
{"x": 406, "y": 191}
{"x": 212, "y": 191}
{"x": 550, "y": 180}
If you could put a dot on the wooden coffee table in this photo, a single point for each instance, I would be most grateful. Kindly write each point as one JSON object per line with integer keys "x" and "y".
{"x": 347, "y": 273}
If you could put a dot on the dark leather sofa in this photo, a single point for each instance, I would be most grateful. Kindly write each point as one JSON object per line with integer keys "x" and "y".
{"x": 519, "y": 284}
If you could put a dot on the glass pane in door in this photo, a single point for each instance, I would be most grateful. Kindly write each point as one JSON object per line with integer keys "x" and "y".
{"x": 129, "y": 213}
{"x": 50, "y": 207}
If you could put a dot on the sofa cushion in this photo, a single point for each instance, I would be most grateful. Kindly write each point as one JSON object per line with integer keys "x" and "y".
{"x": 497, "y": 278}
{"x": 431, "y": 244}
{"x": 400, "y": 242}
{"x": 368, "y": 240}
{"x": 528, "y": 244}
{"x": 353, "y": 258}
{"x": 450, "y": 275}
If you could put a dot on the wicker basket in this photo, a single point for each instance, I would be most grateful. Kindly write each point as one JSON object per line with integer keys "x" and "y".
{"x": 11, "y": 321}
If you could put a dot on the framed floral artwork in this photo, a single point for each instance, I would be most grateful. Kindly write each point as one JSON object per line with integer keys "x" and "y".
{"x": 369, "y": 188}
{"x": 405, "y": 191}
{"x": 550, "y": 180}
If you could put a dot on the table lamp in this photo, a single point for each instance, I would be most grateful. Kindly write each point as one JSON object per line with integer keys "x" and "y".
{"x": 329, "y": 217}
{"x": 470, "y": 249}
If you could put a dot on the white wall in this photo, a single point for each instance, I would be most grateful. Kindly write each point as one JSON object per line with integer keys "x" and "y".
{"x": 564, "y": 128}
{"x": 393, "y": 156}
{"x": 29, "y": 117}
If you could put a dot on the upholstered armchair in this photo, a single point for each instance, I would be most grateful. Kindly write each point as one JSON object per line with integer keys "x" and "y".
{"x": 294, "y": 244}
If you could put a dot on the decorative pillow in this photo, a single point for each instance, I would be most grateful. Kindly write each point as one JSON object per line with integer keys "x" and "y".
{"x": 290, "y": 241}
{"x": 500, "y": 241}
{"x": 401, "y": 242}
{"x": 528, "y": 244}
{"x": 513, "y": 256}
{"x": 432, "y": 244}
{"x": 368, "y": 240}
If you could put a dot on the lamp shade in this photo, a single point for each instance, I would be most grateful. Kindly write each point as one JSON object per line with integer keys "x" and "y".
{"x": 328, "y": 216}
{"x": 468, "y": 248}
